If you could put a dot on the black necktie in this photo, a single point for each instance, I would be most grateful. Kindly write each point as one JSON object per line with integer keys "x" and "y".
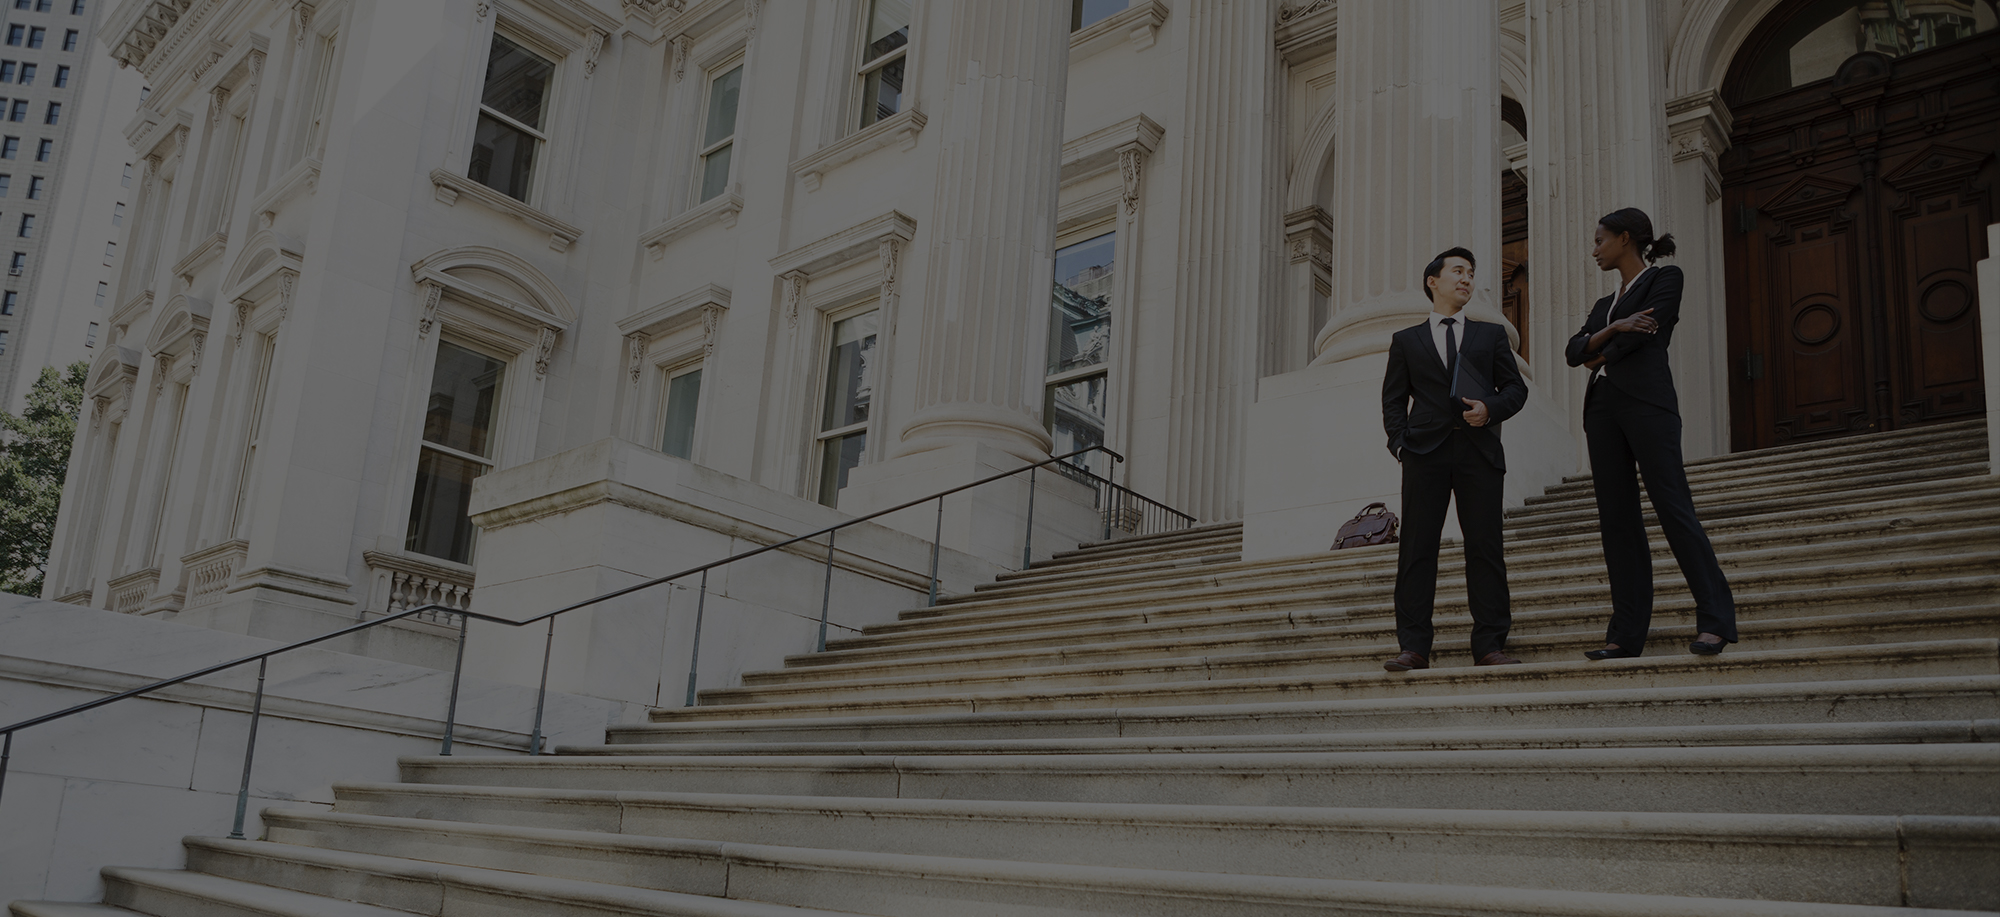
{"x": 1450, "y": 349}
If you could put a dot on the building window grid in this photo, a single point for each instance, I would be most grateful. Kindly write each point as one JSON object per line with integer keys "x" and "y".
{"x": 512, "y": 122}
{"x": 90, "y": 339}
{"x": 16, "y": 34}
{"x": 7, "y": 70}
{"x": 680, "y": 405}
{"x": 62, "y": 76}
{"x": 459, "y": 436}
{"x": 8, "y": 301}
{"x": 1075, "y": 385}
{"x": 27, "y": 230}
{"x": 6, "y": 181}
{"x": 848, "y": 396}
{"x": 35, "y": 187}
{"x": 44, "y": 150}
{"x": 69, "y": 40}
{"x": 10, "y": 147}
{"x": 885, "y": 55}
{"x": 53, "y": 115}
{"x": 719, "y": 131}
{"x": 27, "y": 74}
{"x": 38, "y": 36}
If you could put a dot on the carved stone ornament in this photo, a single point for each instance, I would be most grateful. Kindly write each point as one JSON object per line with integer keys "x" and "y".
{"x": 480, "y": 10}
{"x": 432, "y": 293}
{"x": 711, "y": 314}
{"x": 795, "y": 290}
{"x": 98, "y": 406}
{"x": 243, "y": 307}
{"x": 194, "y": 352}
{"x": 218, "y": 103}
{"x": 591, "y": 51}
{"x": 680, "y": 45}
{"x": 635, "y": 356}
{"x": 287, "y": 282}
{"x": 303, "y": 12}
{"x": 544, "y": 349}
{"x": 1131, "y": 168}
{"x": 1293, "y": 12}
{"x": 750, "y": 9}
{"x": 206, "y": 63}
{"x": 890, "y": 252}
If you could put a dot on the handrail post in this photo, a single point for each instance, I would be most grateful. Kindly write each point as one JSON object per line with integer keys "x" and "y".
{"x": 936, "y": 540}
{"x": 694, "y": 657}
{"x": 6, "y": 751}
{"x": 826, "y": 597}
{"x": 250, "y": 750}
{"x": 542, "y": 693}
{"x": 1028, "y": 539}
{"x": 457, "y": 671}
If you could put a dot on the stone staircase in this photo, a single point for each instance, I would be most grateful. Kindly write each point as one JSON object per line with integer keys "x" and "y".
{"x": 1153, "y": 726}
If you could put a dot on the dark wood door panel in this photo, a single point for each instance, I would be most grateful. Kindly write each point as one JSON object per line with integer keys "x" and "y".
{"x": 1816, "y": 333}
{"x": 1936, "y": 309}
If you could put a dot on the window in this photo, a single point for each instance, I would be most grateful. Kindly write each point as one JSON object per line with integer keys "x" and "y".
{"x": 8, "y": 301}
{"x": 7, "y": 71}
{"x": 54, "y": 114}
{"x": 511, "y": 109}
{"x": 90, "y": 339}
{"x": 457, "y": 447}
{"x": 35, "y": 188}
{"x": 20, "y": 112}
{"x": 27, "y": 226}
{"x": 144, "y": 92}
{"x": 45, "y": 148}
{"x": 719, "y": 136}
{"x": 882, "y": 71}
{"x": 1821, "y": 36}
{"x": 1079, "y": 343}
{"x": 62, "y": 77}
{"x": 850, "y": 383}
{"x": 1090, "y": 12}
{"x": 3, "y": 342}
{"x": 10, "y": 147}
{"x": 683, "y": 395}
{"x": 38, "y": 34}
{"x": 125, "y": 182}
{"x": 76, "y": 7}
{"x": 110, "y": 251}
{"x": 69, "y": 40}
{"x": 5, "y": 181}
{"x": 103, "y": 290}
{"x": 42, "y": 6}
{"x": 117, "y": 213}
{"x": 23, "y": 4}
{"x": 27, "y": 74}
{"x": 16, "y": 33}
{"x": 18, "y": 264}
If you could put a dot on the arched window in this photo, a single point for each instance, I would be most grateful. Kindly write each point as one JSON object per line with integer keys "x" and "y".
{"x": 1818, "y": 36}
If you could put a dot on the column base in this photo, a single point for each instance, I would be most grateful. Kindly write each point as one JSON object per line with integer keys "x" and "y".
{"x": 1317, "y": 455}
{"x": 945, "y": 426}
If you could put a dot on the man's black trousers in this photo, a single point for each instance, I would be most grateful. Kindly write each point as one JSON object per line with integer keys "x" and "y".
{"x": 1625, "y": 433}
{"x": 1430, "y": 481}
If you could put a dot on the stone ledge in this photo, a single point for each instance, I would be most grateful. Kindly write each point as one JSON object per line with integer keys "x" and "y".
{"x": 450, "y": 186}
{"x": 721, "y": 209}
{"x": 901, "y": 127}
{"x": 1138, "y": 24}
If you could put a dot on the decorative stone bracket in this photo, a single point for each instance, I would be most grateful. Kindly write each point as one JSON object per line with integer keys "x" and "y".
{"x": 901, "y": 128}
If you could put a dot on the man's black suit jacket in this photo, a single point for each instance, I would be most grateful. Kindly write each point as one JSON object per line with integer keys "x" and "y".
{"x": 1637, "y": 362}
{"x": 1420, "y": 403}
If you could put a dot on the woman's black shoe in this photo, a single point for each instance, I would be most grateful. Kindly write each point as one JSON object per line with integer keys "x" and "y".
{"x": 1610, "y": 652}
{"x": 1700, "y": 648}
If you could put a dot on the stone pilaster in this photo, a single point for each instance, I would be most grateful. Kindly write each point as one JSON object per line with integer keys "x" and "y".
{"x": 1416, "y": 163}
{"x": 1699, "y": 125}
{"x": 1597, "y": 141}
{"x": 1231, "y": 275}
{"x": 985, "y": 306}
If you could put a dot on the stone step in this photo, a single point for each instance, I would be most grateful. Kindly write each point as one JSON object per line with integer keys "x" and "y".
{"x": 177, "y": 893}
{"x": 1863, "y": 444}
{"x": 1954, "y": 450}
{"x": 1527, "y": 521}
{"x": 907, "y": 885}
{"x": 630, "y": 740}
{"x": 1036, "y": 577}
{"x": 1539, "y": 637}
{"x": 1201, "y": 530}
{"x": 1688, "y": 709}
{"x": 65, "y": 909}
{"x": 1069, "y": 560}
{"x": 1856, "y": 586}
{"x": 1953, "y": 780}
{"x": 393, "y": 885}
{"x": 1975, "y": 528}
{"x": 1868, "y": 860}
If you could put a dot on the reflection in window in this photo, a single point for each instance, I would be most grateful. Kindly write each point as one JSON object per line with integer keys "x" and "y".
{"x": 1813, "y": 44}
{"x": 458, "y": 447}
{"x": 883, "y": 59}
{"x": 683, "y": 396}
{"x": 1089, "y": 12}
{"x": 849, "y": 391}
{"x": 512, "y": 107}
{"x": 719, "y": 136}
{"x": 1079, "y": 344}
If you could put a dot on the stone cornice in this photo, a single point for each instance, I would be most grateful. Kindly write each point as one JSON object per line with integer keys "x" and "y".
{"x": 684, "y": 309}
{"x": 1138, "y": 23}
{"x": 1097, "y": 152}
{"x": 901, "y": 127}
{"x": 1306, "y": 29}
{"x": 450, "y": 186}
{"x": 721, "y": 209}
{"x": 847, "y": 246}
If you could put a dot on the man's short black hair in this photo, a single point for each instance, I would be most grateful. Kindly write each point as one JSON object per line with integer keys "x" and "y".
{"x": 1436, "y": 267}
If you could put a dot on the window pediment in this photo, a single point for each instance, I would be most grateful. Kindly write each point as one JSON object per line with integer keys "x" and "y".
{"x": 498, "y": 283}
{"x": 184, "y": 317}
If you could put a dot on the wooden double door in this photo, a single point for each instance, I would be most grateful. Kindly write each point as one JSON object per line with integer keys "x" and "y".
{"x": 1854, "y": 213}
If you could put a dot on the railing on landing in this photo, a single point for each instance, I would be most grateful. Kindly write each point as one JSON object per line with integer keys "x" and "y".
{"x": 1122, "y": 509}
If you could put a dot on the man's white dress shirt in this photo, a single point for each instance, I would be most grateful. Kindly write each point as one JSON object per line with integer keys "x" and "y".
{"x": 1437, "y": 333}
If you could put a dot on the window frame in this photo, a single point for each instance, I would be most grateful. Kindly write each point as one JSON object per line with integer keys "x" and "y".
{"x": 830, "y": 318}
{"x": 859, "y": 119}
{"x": 667, "y": 372}
{"x": 496, "y": 434}
{"x": 734, "y": 61}
{"x": 542, "y": 138}
{"x": 1077, "y": 235}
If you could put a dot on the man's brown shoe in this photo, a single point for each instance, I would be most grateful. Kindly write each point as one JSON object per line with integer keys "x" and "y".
{"x": 1406, "y": 661}
{"x": 1497, "y": 658}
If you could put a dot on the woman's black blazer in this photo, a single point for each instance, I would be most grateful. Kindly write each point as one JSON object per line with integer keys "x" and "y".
{"x": 1636, "y": 362}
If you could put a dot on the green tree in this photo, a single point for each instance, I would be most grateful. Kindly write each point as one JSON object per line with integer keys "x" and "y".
{"x": 34, "y": 458}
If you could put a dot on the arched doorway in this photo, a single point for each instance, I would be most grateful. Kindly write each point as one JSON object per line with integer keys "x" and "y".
{"x": 1856, "y": 192}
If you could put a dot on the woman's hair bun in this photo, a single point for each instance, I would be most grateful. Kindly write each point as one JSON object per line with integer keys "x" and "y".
{"x": 1635, "y": 221}
{"x": 1659, "y": 248}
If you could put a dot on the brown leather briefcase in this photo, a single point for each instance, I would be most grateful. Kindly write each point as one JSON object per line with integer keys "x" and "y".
{"x": 1373, "y": 525}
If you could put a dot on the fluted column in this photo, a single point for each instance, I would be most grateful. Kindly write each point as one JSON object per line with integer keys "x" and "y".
{"x": 1416, "y": 162}
{"x": 1230, "y": 279}
{"x": 991, "y": 239}
{"x": 1597, "y": 141}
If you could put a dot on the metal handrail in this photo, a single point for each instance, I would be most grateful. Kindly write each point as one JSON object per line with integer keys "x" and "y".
{"x": 465, "y": 618}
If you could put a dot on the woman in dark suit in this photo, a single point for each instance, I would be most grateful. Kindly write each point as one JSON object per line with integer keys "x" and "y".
{"x": 1631, "y": 419}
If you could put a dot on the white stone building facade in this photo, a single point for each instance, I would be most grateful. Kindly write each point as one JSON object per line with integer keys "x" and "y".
{"x": 380, "y": 249}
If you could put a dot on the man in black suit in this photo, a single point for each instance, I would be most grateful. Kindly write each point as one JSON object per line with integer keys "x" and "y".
{"x": 1450, "y": 383}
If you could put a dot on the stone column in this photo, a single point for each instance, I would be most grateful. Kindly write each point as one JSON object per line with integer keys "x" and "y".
{"x": 1597, "y": 141}
{"x": 1699, "y": 125}
{"x": 1416, "y": 163}
{"x": 985, "y": 307}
